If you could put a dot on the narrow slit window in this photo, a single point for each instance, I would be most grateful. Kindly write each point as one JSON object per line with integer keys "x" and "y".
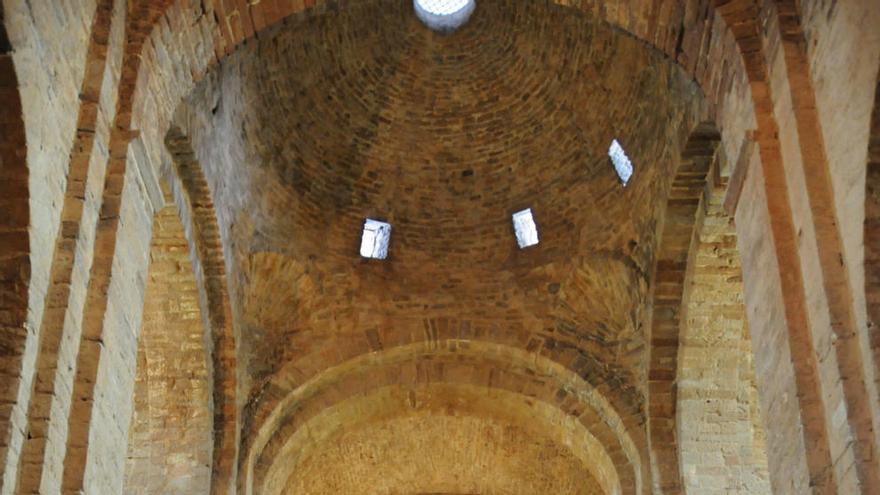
{"x": 525, "y": 228}
{"x": 375, "y": 239}
{"x": 622, "y": 165}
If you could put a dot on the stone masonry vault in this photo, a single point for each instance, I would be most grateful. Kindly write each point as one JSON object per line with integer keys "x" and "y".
{"x": 184, "y": 309}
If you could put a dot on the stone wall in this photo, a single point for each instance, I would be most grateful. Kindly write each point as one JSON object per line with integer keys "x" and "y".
{"x": 820, "y": 326}
{"x": 53, "y": 45}
{"x": 843, "y": 45}
{"x": 781, "y": 226}
{"x": 103, "y": 456}
{"x": 718, "y": 419}
{"x": 43, "y": 455}
{"x": 169, "y": 446}
{"x": 194, "y": 200}
{"x": 452, "y": 255}
{"x": 682, "y": 220}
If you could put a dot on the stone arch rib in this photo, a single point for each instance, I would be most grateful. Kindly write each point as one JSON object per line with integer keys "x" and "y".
{"x": 684, "y": 212}
{"x": 469, "y": 401}
{"x": 473, "y": 362}
{"x": 15, "y": 265}
{"x": 718, "y": 404}
{"x": 208, "y": 261}
{"x": 172, "y": 374}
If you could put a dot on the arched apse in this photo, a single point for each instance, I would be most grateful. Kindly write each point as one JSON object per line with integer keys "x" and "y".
{"x": 170, "y": 438}
{"x": 541, "y": 390}
{"x": 719, "y": 427}
{"x": 406, "y": 439}
{"x": 684, "y": 215}
{"x": 15, "y": 263}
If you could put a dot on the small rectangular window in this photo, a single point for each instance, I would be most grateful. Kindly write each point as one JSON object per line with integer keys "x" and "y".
{"x": 375, "y": 239}
{"x": 621, "y": 162}
{"x": 525, "y": 228}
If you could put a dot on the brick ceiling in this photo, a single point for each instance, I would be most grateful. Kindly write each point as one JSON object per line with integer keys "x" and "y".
{"x": 332, "y": 117}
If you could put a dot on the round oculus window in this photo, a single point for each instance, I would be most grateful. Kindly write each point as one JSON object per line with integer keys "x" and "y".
{"x": 444, "y": 15}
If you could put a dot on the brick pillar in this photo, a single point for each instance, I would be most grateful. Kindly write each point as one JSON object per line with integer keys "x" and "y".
{"x": 857, "y": 386}
{"x": 44, "y": 445}
{"x": 105, "y": 365}
{"x": 798, "y": 447}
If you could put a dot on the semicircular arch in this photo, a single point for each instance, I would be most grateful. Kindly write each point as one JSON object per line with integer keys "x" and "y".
{"x": 672, "y": 272}
{"x": 457, "y": 361}
{"x": 160, "y": 125}
{"x": 198, "y": 36}
{"x": 170, "y": 439}
{"x": 541, "y": 422}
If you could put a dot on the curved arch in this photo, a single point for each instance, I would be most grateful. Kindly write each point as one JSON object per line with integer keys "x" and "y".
{"x": 170, "y": 437}
{"x": 381, "y": 404}
{"x": 683, "y": 34}
{"x": 179, "y": 53}
{"x": 80, "y": 452}
{"x": 674, "y": 43}
{"x": 521, "y": 346}
{"x": 465, "y": 361}
{"x": 682, "y": 219}
{"x": 15, "y": 262}
{"x": 195, "y": 203}
{"x": 311, "y": 350}
{"x": 821, "y": 443}
{"x": 717, "y": 401}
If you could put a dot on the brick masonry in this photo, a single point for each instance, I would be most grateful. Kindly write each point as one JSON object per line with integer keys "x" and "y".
{"x": 673, "y": 270}
{"x": 815, "y": 320}
{"x": 170, "y": 456}
{"x": 719, "y": 424}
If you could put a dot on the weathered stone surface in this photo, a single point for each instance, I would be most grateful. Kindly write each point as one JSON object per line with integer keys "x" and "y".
{"x": 170, "y": 440}
{"x": 719, "y": 424}
{"x": 444, "y": 138}
{"x": 302, "y": 118}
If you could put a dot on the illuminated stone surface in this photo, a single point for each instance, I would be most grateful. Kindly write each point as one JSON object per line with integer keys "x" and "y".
{"x": 184, "y": 307}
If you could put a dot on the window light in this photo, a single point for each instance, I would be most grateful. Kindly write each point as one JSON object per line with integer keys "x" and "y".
{"x": 374, "y": 242}
{"x": 444, "y": 15}
{"x": 621, "y": 162}
{"x": 443, "y": 7}
{"x": 525, "y": 228}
